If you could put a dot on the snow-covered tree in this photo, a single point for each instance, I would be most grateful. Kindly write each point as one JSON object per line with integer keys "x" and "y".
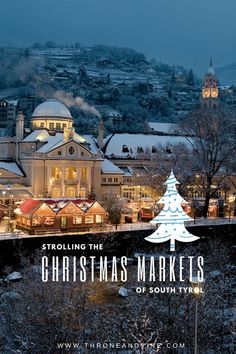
{"x": 171, "y": 218}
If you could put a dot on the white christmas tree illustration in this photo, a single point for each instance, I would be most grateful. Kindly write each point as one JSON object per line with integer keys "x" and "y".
{"x": 171, "y": 218}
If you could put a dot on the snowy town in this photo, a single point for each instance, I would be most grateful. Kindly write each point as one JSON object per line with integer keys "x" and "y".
{"x": 51, "y": 174}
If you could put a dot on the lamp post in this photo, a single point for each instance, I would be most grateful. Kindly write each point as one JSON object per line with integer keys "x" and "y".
{"x": 3, "y": 197}
{"x": 197, "y": 293}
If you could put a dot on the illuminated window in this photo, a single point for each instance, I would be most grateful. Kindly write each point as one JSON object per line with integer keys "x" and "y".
{"x": 63, "y": 125}
{"x": 70, "y": 192}
{"x": 41, "y": 125}
{"x": 84, "y": 173}
{"x": 98, "y": 219}
{"x": 89, "y": 219}
{"x": 58, "y": 126}
{"x": 48, "y": 220}
{"x": 51, "y": 125}
{"x": 37, "y": 221}
{"x": 56, "y": 173}
{"x": 70, "y": 173}
{"x": 77, "y": 219}
{"x": 82, "y": 193}
{"x": 56, "y": 192}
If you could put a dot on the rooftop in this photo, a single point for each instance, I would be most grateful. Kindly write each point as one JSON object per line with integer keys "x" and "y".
{"x": 51, "y": 108}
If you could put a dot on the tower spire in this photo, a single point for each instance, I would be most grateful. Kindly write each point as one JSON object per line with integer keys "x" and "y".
{"x": 210, "y": 87}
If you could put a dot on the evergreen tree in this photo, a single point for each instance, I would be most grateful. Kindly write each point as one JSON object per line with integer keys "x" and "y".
{"x": 171, "y": 218}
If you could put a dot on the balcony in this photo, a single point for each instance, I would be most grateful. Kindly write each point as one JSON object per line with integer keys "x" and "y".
{"x": 72, "y": 181}
{"x": 56, "y": 181}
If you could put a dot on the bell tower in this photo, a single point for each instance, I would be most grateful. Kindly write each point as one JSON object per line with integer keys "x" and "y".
{"x": 210, "y": 92}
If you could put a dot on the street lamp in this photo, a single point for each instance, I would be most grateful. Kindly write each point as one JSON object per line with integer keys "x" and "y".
{"x": 197, "y": 286}
{"x": 3, "y": 197}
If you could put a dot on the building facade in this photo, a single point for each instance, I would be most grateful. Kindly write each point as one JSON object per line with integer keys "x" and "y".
{"x": 53, "y": 160}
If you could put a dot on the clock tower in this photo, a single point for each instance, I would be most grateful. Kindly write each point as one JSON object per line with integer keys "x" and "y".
{"x": 210, "y": 90}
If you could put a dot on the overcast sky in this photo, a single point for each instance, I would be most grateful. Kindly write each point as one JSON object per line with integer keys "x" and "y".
{"x": 183, "y": 32}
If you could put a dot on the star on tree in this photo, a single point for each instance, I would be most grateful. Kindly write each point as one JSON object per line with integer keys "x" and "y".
{"x": 171, "y": 218}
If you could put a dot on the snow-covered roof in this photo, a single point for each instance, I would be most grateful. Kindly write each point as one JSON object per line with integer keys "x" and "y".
{"x": 11, "y": 167}
{"x": 109, "y": 167}
{"x": 41, "y": 135}
{"x": 12, "y": 102}
{"x": 165, "y": 128}
{"x": 127, "y": 170}
{"x": 114, "y": 144}
{"x": 51, "y": 108}
{"x": 92, "y": 144}
{"x": 54, "y": 141}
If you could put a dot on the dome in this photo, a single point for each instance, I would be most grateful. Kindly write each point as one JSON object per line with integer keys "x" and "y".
{"x": 51, "y": 108}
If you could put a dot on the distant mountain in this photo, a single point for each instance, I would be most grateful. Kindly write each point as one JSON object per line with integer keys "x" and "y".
{"x": 227, "y": 74}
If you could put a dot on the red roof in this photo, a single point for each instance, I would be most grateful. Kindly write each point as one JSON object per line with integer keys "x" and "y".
{"x": 30, "y": 205}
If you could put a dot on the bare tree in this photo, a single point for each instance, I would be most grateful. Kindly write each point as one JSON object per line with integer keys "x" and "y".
{"x": 114, "y": 205}
{"x": 211, "y": 135}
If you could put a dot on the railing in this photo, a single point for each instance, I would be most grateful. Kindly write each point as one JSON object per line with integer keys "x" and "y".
{"x": 211, "y": 221}
{"x": 71, "y": 181}
{"x": 56, "y": 181}
{"x": 118, "y": 228}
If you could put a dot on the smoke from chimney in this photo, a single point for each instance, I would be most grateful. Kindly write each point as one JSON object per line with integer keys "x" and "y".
{"x": 68, "y": 99}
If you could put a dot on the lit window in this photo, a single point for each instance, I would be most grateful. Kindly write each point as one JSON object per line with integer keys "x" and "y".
{"x": 41, "y": 125}
{"x": 98, "y": 219}
{"x": 84, "y": 173}
{"x": 58, "y": 126}
{"x": 89, "y": 219}
{"x": 51, "y": 125}
{"x": 37, "y": 221}
{"x": 77, "y": 219}
{"x": 48, "y": 220}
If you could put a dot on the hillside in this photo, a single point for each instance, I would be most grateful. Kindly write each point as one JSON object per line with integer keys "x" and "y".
{"x": 119, "y": 84}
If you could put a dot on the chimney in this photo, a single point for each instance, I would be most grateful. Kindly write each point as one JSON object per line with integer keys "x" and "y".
{"x": 20, "y": 126}
{"x": 100, "y": 134}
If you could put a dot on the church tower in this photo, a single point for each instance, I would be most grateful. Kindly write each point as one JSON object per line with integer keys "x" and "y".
{"x": 210, "y": 92}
